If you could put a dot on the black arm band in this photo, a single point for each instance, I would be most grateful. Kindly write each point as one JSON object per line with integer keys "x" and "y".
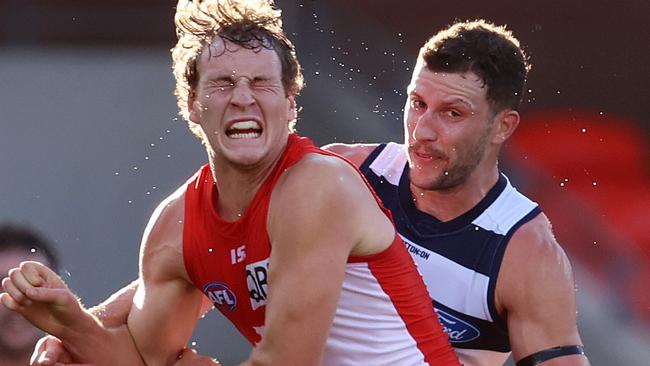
{"x": 547, "y": 354}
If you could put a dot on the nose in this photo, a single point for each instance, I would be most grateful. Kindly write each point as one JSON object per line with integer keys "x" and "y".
{"x": 423, "y": 128}
{"x": 242, "y": 94}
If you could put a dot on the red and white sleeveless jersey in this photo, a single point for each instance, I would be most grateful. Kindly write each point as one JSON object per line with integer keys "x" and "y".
{"x": 383, "y": 317}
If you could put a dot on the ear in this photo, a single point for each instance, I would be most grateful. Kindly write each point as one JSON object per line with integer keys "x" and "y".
{"x": 292, "y": 110}
{"x": 505, "y": 124}
{"x": 194, "y": 108}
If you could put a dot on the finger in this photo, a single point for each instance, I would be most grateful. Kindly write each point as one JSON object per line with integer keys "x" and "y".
{"x": 18, "y": 279}
{"x": 12, "y": 291}
{"x": 186, "y": 352}
{"x": 39, "y": 349}
{"x": 23, "y": 293}
{"x": 49, "y": 350}
{"x": 58, "y": 296}
{"x": 31, "y": 273}
{"x": 41, "y": 273}
{"x": 8, "y": 302}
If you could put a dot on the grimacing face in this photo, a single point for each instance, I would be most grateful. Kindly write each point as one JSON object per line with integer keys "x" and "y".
{"x": 17, "y": 335}
{"x": 447, "y": 123}
{"x": 241, "y": 105}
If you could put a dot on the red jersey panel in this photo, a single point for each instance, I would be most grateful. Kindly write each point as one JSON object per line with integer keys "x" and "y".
{"x": 384, "y": 315}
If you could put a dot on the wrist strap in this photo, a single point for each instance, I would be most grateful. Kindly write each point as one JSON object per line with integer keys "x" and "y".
{"x": 547, "y": 354}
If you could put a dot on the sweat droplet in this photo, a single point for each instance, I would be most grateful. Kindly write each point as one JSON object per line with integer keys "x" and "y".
{"x": 594, "y": 183}
{"x": 32, "y": 250}
{"x": 584, "y": 130}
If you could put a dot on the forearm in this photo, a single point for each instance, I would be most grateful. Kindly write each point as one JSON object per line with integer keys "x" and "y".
{"x": 90, "y": 342}
{"x": 114, "y": 311}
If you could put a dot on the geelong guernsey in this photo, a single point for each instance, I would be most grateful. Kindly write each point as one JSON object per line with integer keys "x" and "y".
{"x": 459, "y": 259}
{"x": 383, "y": 316}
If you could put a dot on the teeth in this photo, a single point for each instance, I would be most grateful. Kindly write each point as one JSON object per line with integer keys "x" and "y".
{"x": 245, "y": 125}
{"x": 249, "y": 135}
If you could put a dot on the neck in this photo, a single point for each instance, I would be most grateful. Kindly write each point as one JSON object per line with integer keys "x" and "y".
{"x": 448, "y": 204}
{"x": 237, "y": 186}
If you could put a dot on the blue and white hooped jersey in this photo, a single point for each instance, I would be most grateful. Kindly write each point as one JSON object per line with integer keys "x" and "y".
{"x": 458, "y": 259}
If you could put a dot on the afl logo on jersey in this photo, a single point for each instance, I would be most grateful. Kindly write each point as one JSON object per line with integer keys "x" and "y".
{"x": 459, "y": 331}
{"x": 220, "y": 295}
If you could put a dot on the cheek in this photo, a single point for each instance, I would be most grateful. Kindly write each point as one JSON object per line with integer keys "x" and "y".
{"x": 409, "y": 127}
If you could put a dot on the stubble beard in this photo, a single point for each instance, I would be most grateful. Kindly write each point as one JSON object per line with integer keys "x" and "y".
{"x": 457, "y": 173}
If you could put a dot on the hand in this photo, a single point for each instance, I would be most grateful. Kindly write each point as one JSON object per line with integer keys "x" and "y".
{"x": 41, "y": 296}
{"x": 49, "y": 351}
{"x": 189, "y": 357}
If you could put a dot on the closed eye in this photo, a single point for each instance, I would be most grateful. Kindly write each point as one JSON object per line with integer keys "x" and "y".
{"x": 223, "y": 83}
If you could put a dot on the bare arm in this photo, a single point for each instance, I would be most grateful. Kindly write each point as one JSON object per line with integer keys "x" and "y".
{"x": 166, "y": 304}
{"x": 114, "y": 311}
{"x": 536, "y": 292}
{"x": 312, "y": 238}
{"x": 39, "y": 294}
{"x": 161, "y": 318}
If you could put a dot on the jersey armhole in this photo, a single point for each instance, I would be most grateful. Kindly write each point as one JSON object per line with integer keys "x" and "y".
{"x": 498, "y": 259}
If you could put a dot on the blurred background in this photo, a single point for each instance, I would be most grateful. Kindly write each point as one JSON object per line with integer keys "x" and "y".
{"x": 90, "y": 139}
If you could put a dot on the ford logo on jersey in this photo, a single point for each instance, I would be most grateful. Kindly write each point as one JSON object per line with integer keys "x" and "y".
{"x": 220, "y": 295}
{"x": 459, "y": 331}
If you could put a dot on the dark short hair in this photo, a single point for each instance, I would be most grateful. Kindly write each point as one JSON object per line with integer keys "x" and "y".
{"x": 21, "y": 237}
{"x": 489, "y": 51}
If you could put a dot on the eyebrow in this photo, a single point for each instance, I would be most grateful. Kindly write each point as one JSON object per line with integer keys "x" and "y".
{"x": 447, "y": 102}
{"x": 454, "y": 100}
{"x": 232, "y": 78}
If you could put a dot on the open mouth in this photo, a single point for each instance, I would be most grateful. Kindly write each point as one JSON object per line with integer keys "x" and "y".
{"x": 244, "y": 130}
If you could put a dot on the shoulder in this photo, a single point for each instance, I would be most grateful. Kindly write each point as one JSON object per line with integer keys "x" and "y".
{"x": 536, "y": 238}
{"x": 324, "y": 200}
{"x": 323, "y": 187}
{"x": 168, "y": 212}
{"x": 356, "y": 153}
{"x": 319, "y": 178}
{"x": 162, "y": 241}
{"x": 534, "y": 266}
